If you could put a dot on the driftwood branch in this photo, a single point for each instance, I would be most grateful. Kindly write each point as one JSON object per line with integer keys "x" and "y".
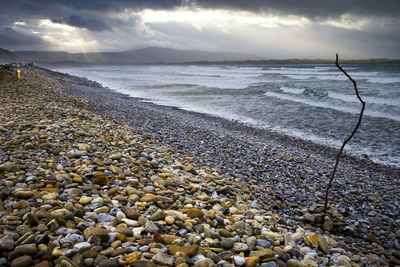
{"x": 348, "y": 138}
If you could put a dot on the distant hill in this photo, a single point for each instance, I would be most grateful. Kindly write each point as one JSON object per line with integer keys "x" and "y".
{"x": 140, "y": 56}
{"x": 158, "y": 55}
{"x": 7, "y": 56}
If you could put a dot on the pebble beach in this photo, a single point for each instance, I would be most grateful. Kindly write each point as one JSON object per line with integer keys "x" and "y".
{"x": 92, "y": 177}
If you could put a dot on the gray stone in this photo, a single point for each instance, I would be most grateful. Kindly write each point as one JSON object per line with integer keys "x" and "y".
{"x": 80, "y": 153}
{"x": 251, "y": 241}
{"x": 64, "y": 231}
{"x": 22, "y": 261}
{"x": 115, "y": 156}
{"x": 109, "y": 263}
{"x": 227, "y": 243}
{"x": 82, "y": 245}
{"x": 100, "y": 258}
{"x": 28, "y": 249}
{"x": 75, "y": 238}
{"x": 150, "y": 227}
{"x": 285, "y": 257}
{"x": 239, "y": 260}
{"x": 239, "y": 247}
{"x": 198, "y": 257}
{"x": 104, "y": 217}
{"x": 66, "y": 242}
{"x": 73, "y": 192}
{"x": 214, "y": 257}
{"x": 88, "y": 262}
{"x": 326, "y": 244}
{"x": 164, "y": 259}
{"x": 7, "y": 243}
{"x": 71, "y": 252}
{"x": 144, "y": 248}
{"x": 22, "y": 229}
{"x": 328, "y": 224}
{"x": 356, "y": 258}
{"x": 158, "y": 215}
{"x": 225, "y": 254}
{"x": 372, "y": 213}
{"x": 269, "y": 264}
{"x": 309, "y": 217}
{"x": 263, "y": 243}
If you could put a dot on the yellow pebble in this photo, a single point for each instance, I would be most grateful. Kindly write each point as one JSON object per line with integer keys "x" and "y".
{"x": 77, "y": 179}
{"x": 169, "y": 219}
{"x": 85, "y": 200}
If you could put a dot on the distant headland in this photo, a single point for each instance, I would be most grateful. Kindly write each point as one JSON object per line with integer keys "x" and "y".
{"x": 157, "y": 55}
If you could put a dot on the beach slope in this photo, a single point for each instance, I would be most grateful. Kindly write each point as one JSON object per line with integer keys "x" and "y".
{"x": 90, "y": 176}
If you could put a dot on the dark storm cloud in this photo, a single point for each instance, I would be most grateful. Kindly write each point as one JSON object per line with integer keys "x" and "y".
{"x": 49, "y": 8}
{"x": 90, "y": 14}
{"x": 12, "y": 38}
{"x": 102, "y": 19}
{"x": 96, "y": 25}
{"x": 116, "y": 5}
{"x": 312, "y": 8}
{"x": 307, "y": 8}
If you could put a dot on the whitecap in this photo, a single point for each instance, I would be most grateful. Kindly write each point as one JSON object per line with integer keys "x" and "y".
{"x": 328, "y": 105}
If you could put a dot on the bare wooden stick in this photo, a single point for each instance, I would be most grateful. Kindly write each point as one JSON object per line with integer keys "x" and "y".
{"x": 348, "y": 138}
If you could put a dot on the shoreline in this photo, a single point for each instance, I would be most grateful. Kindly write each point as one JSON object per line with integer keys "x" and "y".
{"x": 279, "y": 163}
{"x": 91, "y": 175}
{"x": 227, "y": 124}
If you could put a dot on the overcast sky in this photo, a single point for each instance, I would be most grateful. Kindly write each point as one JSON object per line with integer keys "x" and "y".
{"x": 267, "y": 28}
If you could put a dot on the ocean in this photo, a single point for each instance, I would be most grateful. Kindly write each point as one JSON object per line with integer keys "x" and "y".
{"x": 313, "y": 102}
